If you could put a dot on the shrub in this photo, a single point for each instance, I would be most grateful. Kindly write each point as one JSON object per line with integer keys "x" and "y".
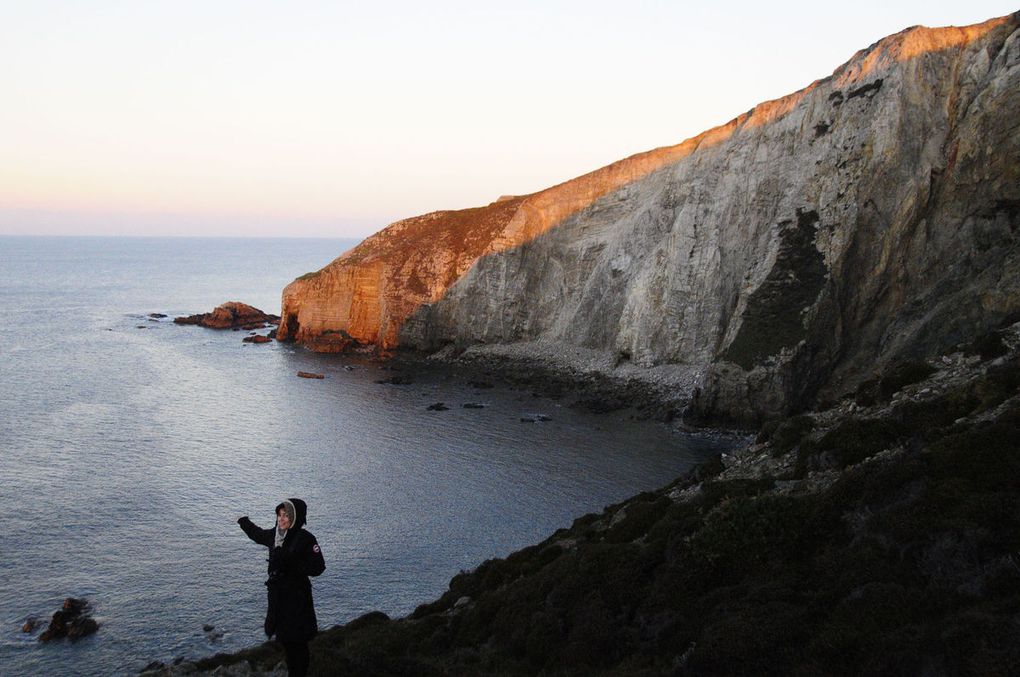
{"x": 850, "y": 442}
{"x": 989, "y": 345}
{"x": 902, "y": 375}
{"x": 858, "y": 629}
{"x": 714, "y": 493}
{"x": 638, "y": 519}
{"x": 897, "y": 377}
{"x": 790, "y": 432}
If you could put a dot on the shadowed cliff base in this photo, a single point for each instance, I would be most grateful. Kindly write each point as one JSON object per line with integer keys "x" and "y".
{"x": 877, "y": 536}
{"x": 864, "y": 220}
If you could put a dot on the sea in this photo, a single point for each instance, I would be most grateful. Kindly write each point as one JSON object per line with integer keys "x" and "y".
{"x": 129, "y": 446}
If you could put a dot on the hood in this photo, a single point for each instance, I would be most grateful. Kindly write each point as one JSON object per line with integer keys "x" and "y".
{"x": 298, "y": 510}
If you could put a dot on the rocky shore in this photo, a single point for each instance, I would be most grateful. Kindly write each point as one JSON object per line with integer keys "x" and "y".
{"x": 589, "y": 379}
{"x": 873, "y": 535}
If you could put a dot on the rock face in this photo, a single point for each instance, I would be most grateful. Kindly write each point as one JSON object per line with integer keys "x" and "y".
{"x": 873, "y": 216}
{"x": 230, "y": 315}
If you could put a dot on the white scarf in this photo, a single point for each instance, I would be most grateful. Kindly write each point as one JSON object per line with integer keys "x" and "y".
{"x": 280, "y": 535}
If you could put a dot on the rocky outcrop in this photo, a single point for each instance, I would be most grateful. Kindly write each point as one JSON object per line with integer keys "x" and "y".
{"x": 781, "y": 258}
{"x": 231, "y": 315}
{"x": 73, "y": 620}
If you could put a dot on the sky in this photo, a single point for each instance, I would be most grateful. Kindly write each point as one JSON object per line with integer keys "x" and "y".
{"x": 333, "y": 119}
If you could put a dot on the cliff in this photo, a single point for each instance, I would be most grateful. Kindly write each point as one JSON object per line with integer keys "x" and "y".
{"x": 780, "y": 258}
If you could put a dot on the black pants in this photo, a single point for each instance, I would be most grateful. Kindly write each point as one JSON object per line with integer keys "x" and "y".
{"x": 297, "y": 658}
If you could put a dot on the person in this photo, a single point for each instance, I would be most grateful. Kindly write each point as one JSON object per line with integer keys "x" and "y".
{"x": 294, "y": 555}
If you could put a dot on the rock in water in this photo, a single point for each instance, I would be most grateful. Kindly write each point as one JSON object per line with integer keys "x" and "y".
{"x": 73, "y": 621}
{"x": 211, "y": 633}
{"x": 31, "y": 625}
{"x": 309, "y": 374}
{"x": 777, "y": 259}
{"x": 230, "y": 315}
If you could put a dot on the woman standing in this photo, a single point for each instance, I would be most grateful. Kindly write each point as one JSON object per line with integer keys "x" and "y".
{"x": 294, "y": 555}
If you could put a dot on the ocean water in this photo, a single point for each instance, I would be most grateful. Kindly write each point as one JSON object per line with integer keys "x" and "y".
{"x": 129, "y": 446}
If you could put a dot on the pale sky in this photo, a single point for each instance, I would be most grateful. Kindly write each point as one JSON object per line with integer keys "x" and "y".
{"x": 314, "y": 118}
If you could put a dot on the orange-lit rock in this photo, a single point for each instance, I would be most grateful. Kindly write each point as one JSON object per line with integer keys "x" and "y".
{"x": 230, "y": 315}
{"x": 363, "y": 297}
{"x": 873, "y": 215}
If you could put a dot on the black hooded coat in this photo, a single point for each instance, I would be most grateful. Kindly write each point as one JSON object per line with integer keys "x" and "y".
{"x": 291, "y": 615}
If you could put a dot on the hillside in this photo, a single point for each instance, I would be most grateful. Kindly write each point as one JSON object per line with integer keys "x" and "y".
{"x": 879, "y": 536}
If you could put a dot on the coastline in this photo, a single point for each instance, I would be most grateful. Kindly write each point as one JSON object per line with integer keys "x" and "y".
{"x": 763, "y": 530}
{"x": 580, "y": 378}
{"x": 577, "y": 378}
{"x": 591, "y": 379}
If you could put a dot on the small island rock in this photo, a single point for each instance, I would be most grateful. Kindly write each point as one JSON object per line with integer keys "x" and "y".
{"x": 230, "y": 315}
{"x": 72, "y": 620}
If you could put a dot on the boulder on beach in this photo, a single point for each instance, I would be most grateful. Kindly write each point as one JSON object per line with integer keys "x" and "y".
{"x": 230, "y": 315}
